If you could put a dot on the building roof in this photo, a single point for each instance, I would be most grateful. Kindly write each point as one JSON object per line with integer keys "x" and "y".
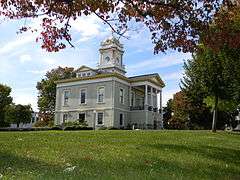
{"x": 85, "y": 68}
{"x": 153, "y": 78}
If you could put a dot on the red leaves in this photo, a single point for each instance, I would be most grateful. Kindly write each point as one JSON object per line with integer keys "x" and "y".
{"x": 173, "y": 24}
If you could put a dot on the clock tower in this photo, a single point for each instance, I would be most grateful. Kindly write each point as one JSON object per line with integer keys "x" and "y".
{"x": 111, "y": 56}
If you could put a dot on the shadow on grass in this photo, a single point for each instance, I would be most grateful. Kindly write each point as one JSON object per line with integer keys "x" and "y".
{"x": 216, "y": 153}
{"x": 11, "y": 165}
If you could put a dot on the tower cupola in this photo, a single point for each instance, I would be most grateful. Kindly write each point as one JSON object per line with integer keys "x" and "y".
{"x": 111, "y": 56}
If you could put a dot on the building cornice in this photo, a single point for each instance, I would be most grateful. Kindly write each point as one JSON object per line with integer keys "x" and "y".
{"x": 111, "y": 75}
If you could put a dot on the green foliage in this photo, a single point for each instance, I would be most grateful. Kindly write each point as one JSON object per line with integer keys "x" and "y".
{"x": 167, "y": 114}
{"x": 18, "y": 114}
{"x": 212, "y": 81}
{"x": 76, "y": 125}
{"x": 5, "y": 100}
{"x": 223, "y": 105}
{"x": 47, "y": 91}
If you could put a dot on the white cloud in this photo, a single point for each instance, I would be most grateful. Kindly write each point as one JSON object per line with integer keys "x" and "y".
{"x": 89, "y": 27}
{"x": 173, "y": 76}
{"x": 158, "y": 62}
{"x": 20, "y": 41}
{"x": 40, "y": 72}
{"x": 25, "y": 96}
{"x": 25, "y": 58}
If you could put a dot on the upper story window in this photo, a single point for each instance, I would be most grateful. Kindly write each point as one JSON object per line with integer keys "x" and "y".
{"x": 100, "y": 94}
{"x": 100, "y": 118}
{"x": 83, "y": 96}
{"x": 121, "y": 96}
{"x": 66, "y": 95}
{"x": 107, "y": 59}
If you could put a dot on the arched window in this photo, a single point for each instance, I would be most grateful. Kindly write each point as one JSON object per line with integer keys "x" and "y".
{"x": 107, "y": 59}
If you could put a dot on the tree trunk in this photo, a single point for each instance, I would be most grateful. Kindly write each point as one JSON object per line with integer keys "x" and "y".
{"x": 17, "y": 125}
{"x": 214, "y": 122}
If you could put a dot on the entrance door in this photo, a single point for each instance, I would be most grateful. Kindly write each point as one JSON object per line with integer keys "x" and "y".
{"x": 81, "y": 117}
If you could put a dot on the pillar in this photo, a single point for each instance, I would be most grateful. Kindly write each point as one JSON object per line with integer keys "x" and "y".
{"x": 146, "y": 96}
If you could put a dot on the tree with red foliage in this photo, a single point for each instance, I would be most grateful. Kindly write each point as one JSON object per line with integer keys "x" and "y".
{"x": 174, "y": 24}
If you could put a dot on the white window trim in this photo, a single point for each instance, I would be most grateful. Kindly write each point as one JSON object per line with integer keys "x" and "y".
{"x": 97, "y": 118}
{"x": 63, "y": 97}
{"x": 103, "y": 94}
{"x": 122, "y": 119}
{"x": 120, "y": 96}
{"x": 80, "y": 93}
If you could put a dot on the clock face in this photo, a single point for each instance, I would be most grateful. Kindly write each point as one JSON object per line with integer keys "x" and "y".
{"x": 107, "y": 59}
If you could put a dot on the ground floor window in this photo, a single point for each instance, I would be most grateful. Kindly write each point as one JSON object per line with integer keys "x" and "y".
{"x": 65, "y": 117}
{"x": 81, "y": 117}
{"x": 100, "y": 118}
{"x": 121, "y": 119}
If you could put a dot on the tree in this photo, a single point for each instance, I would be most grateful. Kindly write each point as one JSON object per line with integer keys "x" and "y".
{"x": 47, "y": 91}
{"x": 173, "y": 24}
{"x": 5, "y": 99}
{"x": 18, "y": 114}
{"x": 167, "y": 113}
{"x": 216, "y": 76}
{"x": 180, "y": 117}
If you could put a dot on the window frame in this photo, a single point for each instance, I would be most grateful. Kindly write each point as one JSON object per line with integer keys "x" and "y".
{"x": 103, "y": 101}
{"x": 64, "y": 102}
{"x": 121, "y": 100}
{"x": 102, "y": 118}
{"x": 84, "y": 116}
{"x": 80, "y": 93}
{"x": 63, "y": 118}
{"x": 121, "y": 125}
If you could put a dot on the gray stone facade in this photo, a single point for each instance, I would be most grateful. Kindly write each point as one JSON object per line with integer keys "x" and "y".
{"x": 125, "y": 102}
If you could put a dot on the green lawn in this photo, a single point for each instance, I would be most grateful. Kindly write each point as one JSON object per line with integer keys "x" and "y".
{"x": 119, "y": 155}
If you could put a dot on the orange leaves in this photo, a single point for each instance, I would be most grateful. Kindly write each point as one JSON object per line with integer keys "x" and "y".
{"x": 173, "y": 24}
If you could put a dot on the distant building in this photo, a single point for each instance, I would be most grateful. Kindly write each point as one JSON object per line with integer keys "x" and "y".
{"x": 106, "y": 97}
{"x": 34, "y": 119}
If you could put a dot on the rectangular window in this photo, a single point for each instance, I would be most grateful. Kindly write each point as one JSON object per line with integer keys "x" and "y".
{"x": 65, "y": 116}
{"x": 83, "y": 96}
{"x": 100, "y": 118}
{"x": 100, "y": 94}
{"x": 66, "y": 95}
{"x": 81, "y": 117}
{"x": 121, "y": 119}
{"x": 132, "y": 100}
{"x": 121, "y": 96}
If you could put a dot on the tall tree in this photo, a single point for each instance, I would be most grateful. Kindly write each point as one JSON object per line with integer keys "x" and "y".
{"x": 173, "y": 24}
{"x": 47, "y": 91}
{"x": 18, "y": 114}
{"x": 215, "y": 75}
{"x": 5, "y": 99}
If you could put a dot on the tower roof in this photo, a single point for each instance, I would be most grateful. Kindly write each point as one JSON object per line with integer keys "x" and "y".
{"x": 110, "y": 41}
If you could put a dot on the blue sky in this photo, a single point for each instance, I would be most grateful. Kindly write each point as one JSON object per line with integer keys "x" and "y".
{"x": 23, "y": 63}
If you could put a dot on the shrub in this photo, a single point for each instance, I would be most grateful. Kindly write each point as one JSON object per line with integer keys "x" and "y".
{"x": 112, "y": 128}
{"x": 72, "y": 128}
{"x": 102, "y": 128}
{"x": 56, "y": 128}
{"x": 41, "y": 124}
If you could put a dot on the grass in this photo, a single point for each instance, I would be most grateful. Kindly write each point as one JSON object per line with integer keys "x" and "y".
{"x": 120, "y": 155}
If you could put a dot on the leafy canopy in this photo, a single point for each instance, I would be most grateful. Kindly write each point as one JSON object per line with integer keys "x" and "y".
{"x": 174, "y": 24}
